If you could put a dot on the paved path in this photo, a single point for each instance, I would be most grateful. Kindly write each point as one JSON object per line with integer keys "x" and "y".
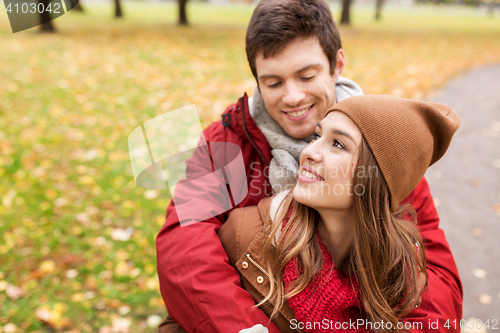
{"x": 466, "y": 188}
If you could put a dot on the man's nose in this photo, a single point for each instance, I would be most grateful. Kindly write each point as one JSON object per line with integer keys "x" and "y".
{"x": 293, "y": 94}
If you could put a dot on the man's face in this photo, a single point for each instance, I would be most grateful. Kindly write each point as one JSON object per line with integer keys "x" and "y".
{"x": 297, "y": 86}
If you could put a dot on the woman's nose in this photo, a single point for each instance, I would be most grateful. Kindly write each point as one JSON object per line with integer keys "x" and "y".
{"x": 312, "y": 153}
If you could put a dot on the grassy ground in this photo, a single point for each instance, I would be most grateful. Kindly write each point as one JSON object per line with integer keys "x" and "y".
{"x": 68, "y": 102}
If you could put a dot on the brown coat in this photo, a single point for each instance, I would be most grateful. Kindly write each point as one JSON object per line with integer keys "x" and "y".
{"x": 243, "y": 237}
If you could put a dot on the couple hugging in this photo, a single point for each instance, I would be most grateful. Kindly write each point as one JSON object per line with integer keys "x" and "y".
{"x": 338, "y": 231}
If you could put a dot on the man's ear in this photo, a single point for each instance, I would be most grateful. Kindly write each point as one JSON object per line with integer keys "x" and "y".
{"x": 339, "y": 66}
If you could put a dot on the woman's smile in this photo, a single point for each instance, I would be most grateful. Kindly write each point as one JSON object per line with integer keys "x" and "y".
{"x": 309, "y": 175}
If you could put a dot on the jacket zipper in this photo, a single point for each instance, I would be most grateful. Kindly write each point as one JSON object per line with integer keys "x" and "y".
{"x": 260, "y": 267}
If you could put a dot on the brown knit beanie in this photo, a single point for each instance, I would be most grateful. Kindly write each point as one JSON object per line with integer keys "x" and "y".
{"x": 405, "y": 136}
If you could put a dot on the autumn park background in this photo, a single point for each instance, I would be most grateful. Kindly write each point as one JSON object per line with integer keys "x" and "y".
{"x": 77, "y": 235}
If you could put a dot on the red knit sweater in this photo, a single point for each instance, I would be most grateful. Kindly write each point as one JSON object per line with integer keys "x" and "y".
{"x": 331, "y": 302}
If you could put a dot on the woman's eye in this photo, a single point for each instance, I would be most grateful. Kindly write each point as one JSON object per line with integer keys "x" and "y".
{"x": 316, "y": 136}
{"x": 308, "y": 78}
{"x": 274, "y": 85}
{"x": 338, "y": 144}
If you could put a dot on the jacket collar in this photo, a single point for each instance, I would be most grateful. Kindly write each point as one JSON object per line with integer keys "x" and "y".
{"x": 241, "y": 122}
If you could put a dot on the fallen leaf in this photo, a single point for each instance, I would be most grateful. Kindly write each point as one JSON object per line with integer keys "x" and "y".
{"x": 121, "y": 325}
{"x": 106, "y": 329}
{"x": 92, "y": 210}
{"x": 474, "y": 182}
{"x": 14, "y": 292}
{"x": 152, "y": 283}
{"x": 10, "y": 328}
{"x": 89, "y": 295}
{"x": 83, "y": 218}
{"x": 485, "y": 299}
{"x": 47, "y": 266}
{"x": 121, "y": 268}
{"x": 77, "y": 297}
{"x": 114, "y": 303}
{"x": 496, "y": 207}
{"x": 154, "y": 321}
{"x": 106, "y": 275}
{"x": 44, "y": 315}
{"x": 151, "y": 194}
{"x": 477, "y": 232}
{"x": 479, "y": 273}
{"x": 124, "y": 310}
{"x": 122, "y": 235}
{"x": 107, "y": 204}
{"x": 71, "y": 273}
{"x": 60, "y": 201}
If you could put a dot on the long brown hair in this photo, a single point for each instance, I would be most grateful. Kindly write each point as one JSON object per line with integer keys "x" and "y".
{"x": 383, "y": 257}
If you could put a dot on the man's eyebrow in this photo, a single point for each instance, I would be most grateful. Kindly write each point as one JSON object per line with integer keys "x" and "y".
{"x": 267, "y": 76}
{"x": 339, "y": 132}
{"x": 305, "y": 68}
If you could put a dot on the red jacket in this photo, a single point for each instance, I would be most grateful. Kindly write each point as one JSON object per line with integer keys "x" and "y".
{"x": 202, "y": 291}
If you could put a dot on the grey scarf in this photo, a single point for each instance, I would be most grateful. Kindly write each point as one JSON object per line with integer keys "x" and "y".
{"x": 285, "y": 150}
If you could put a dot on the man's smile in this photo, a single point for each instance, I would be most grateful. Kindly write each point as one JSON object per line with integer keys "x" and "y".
{"x": 299, "y": 113}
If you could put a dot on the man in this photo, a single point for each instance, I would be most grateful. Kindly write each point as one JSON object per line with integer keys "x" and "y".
{"x": 294, "y": 51}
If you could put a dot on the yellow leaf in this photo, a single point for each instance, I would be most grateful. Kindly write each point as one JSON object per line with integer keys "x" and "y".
{"x": 47, "y": 266}
{"x": 78, "y": 297}
{"x": 152, "y": 284}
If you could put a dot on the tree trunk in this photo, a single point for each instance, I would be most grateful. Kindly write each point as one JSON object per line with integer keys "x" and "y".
{"x": 118, "y": 9}
{"x": 378, "y": 9}
{"x": 75, "y": 4}
{"x": 45, "y": 22}
{"x": 490, "y": 8}
{"x": 345, "y": 19}
{"x": 182, "y": 12}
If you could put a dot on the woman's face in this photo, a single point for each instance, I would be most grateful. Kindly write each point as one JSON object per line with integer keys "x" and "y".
{"x": 327, "y": 164}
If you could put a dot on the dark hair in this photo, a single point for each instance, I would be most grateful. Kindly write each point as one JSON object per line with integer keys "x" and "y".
{"x": 277, "y": 23}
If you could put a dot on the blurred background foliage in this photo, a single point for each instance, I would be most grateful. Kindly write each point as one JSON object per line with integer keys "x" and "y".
{"x": 77, "y": 235}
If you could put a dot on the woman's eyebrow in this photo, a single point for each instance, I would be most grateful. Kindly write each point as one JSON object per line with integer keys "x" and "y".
{"x": 339, "y": 132}
{"x": 347, "y": 135}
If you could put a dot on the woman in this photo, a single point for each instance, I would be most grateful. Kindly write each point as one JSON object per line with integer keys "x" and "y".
{"x": 340, "y": 230}
{"x": 338, "y": 252}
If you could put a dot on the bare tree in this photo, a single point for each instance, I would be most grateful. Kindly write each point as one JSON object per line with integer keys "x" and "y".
{"x": 378, "y": 9}
{"x": 76, "y": 5}
{"x": 345, "y": 18}
{"x": 46, "y": 23}
{"x": 118, "y": 9}
{"x": 491, "y": 8}
{"x": 182, "y": 12}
